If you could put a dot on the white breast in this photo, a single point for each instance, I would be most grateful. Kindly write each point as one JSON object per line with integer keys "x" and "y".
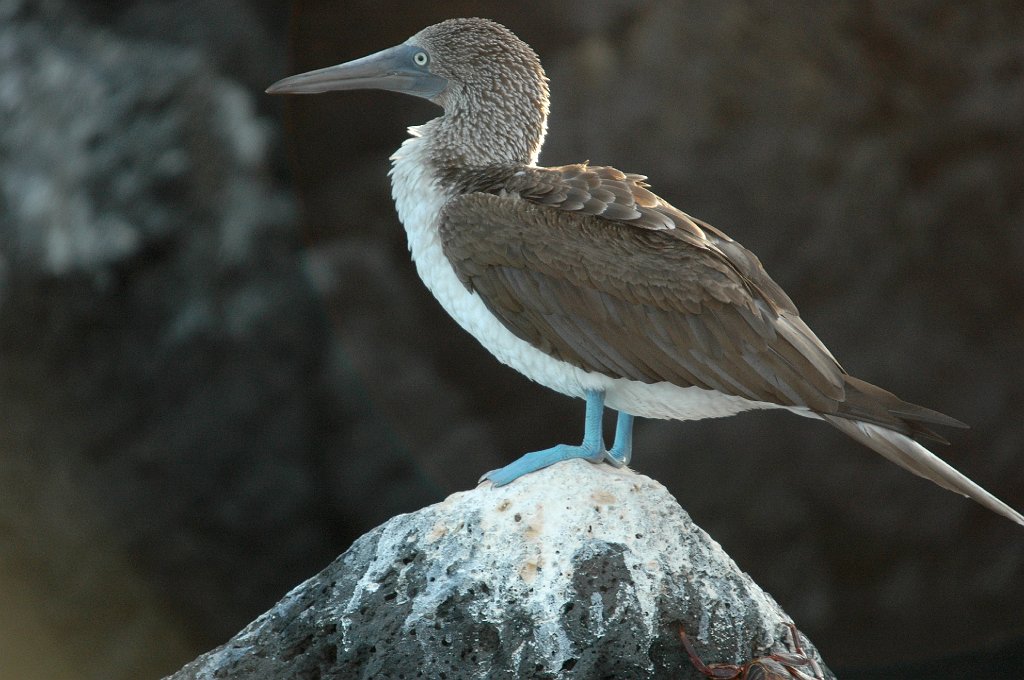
{"x": 419, "y": 198}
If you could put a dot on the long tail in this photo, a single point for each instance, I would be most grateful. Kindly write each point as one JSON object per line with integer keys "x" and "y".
{"x": 908, "y": 454}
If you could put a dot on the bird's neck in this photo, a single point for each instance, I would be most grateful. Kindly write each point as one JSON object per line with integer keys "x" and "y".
{"x": 433, "y": 165}
{"x": 472, "y": 134}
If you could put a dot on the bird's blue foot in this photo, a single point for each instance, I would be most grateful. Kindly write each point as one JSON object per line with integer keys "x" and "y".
{"x": 538, "y": 460}
{"x": 592, "y": 449}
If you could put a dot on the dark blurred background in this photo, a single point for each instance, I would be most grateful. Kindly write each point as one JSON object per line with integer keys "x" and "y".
{"x": 218, "y": 367}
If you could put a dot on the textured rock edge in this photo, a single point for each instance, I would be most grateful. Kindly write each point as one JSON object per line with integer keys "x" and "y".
{"x": 576, "y": 571}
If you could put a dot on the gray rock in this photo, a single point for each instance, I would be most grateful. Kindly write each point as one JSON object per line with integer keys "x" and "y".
{"x": 577, "y": 571}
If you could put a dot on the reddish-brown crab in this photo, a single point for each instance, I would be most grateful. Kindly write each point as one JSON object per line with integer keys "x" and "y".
{"x": 775, "y": 666}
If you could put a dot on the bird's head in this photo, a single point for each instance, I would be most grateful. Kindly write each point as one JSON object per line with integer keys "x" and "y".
{"x": 476, "y": 69}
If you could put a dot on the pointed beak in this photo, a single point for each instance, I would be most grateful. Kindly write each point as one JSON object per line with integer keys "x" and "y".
{"x": 392, "y": 69}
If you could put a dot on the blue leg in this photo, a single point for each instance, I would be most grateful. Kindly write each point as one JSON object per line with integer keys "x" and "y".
{"x": 591, "y": 449}
{"x": 622, "y": 448}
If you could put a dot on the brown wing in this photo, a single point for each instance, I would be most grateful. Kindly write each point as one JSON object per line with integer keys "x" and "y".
{"x": 597, "y": 190}
{"x": 604, "y": 191}
{"x": 650, "y": 304}
{"x": 601, "y": 191}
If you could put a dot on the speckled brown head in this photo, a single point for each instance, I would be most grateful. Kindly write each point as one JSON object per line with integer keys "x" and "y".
{"x": 489, "y": 82}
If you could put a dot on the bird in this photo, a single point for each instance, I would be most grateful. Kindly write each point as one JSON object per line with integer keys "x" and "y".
{"x": 585, "y": 281}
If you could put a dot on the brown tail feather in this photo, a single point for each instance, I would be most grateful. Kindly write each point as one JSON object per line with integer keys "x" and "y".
{"x": 908, "y": 454}
{"x": 869, "y": 403}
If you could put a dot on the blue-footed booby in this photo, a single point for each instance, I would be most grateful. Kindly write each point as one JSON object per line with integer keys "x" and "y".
{"x": 585, "y": 281}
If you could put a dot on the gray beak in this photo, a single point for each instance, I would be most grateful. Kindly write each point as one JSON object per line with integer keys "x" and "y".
{"x": 393, "y": 69}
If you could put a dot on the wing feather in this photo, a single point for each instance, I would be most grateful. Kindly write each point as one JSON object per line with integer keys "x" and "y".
{"x": 648, "y": 305}
{"x": 657, "y": 295}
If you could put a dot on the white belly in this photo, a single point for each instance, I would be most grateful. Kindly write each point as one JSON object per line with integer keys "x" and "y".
{"x": 419, "y": 199}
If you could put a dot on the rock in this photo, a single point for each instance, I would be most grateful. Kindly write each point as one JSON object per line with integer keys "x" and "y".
{"x": 576, "y": 571}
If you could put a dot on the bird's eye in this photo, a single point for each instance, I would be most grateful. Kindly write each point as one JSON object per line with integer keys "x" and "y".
{"x": 420, "y": 58}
